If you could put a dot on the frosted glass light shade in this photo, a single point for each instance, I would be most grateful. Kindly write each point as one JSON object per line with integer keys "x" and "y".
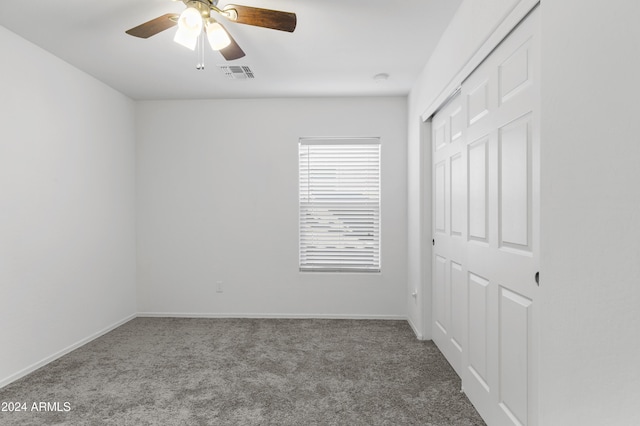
{"x": 217, "y": 36}
{"x": 190, "y": 20}
{"x": 186, "y": 39}
{"x": 189, "y": 28}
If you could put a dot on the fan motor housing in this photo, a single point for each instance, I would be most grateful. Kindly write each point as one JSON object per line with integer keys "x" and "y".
{"x": 203, "y": 6}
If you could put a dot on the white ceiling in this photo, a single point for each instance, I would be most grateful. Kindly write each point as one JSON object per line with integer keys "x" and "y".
{"x": 336, "y": 49}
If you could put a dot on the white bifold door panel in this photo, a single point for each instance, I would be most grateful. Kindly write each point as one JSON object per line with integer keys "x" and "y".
{"x": 486, "y": 227}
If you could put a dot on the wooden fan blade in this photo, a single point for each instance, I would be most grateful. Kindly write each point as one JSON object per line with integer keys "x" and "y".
{"x": 232, "y": 51}
{"x": 267, "y": 18}
{"x": 154, "y": 26}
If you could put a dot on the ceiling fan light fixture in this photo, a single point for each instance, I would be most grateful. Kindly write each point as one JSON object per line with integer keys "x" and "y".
{"x": 190, "y": 20}
{"x": 196, "y": 22}
{"x": 217, "y": 36}
{"x": 186, "y": 39}
{"x": 189, "y": 28}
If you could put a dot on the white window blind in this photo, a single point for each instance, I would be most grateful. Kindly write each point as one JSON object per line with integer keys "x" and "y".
{"x": 339, "y": 205}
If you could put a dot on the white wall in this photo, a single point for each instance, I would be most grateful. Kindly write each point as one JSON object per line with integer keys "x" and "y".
{"x": 67, "y": 268}
{"x": 217, "y": 200}
{"x": 590, "y": 265}
{"x": 473, "y": 23}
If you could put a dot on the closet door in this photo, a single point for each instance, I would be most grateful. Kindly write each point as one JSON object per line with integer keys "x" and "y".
{"x": 497, "y": 261}
{"x": 449, "y": 204}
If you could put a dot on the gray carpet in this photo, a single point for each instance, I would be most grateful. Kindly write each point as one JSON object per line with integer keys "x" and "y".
{"x": 159, "y": 371}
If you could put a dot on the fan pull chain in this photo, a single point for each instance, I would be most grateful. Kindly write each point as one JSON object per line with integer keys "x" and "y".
{"x": 200, "y": 48}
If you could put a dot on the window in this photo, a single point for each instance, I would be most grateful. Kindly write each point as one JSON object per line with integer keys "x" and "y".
{"x": 339, "y": 205}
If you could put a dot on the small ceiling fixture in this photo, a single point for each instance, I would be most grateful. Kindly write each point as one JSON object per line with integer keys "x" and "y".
{"x": 383, "y": 76}
{"x": 196, "y": 22}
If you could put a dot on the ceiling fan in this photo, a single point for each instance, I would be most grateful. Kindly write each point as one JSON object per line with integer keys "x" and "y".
{"x": 198, "y": 19}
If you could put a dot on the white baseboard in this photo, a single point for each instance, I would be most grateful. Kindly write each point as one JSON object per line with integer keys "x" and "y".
{"x": 269, "y": 316}
{"x": 33, "y": 367}
{"x": 419, "y": 335}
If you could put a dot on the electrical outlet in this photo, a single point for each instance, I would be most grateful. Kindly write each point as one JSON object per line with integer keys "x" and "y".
{"x": 219, "y": 287}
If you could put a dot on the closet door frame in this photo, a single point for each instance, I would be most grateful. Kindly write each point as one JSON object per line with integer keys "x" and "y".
{"x": 494, "y": 408}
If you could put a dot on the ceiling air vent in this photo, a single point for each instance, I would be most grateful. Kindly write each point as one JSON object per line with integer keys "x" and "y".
{"x": 237, "y": 72}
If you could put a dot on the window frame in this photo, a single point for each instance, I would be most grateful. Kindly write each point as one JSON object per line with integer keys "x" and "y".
{"x": 367, "y": 199}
